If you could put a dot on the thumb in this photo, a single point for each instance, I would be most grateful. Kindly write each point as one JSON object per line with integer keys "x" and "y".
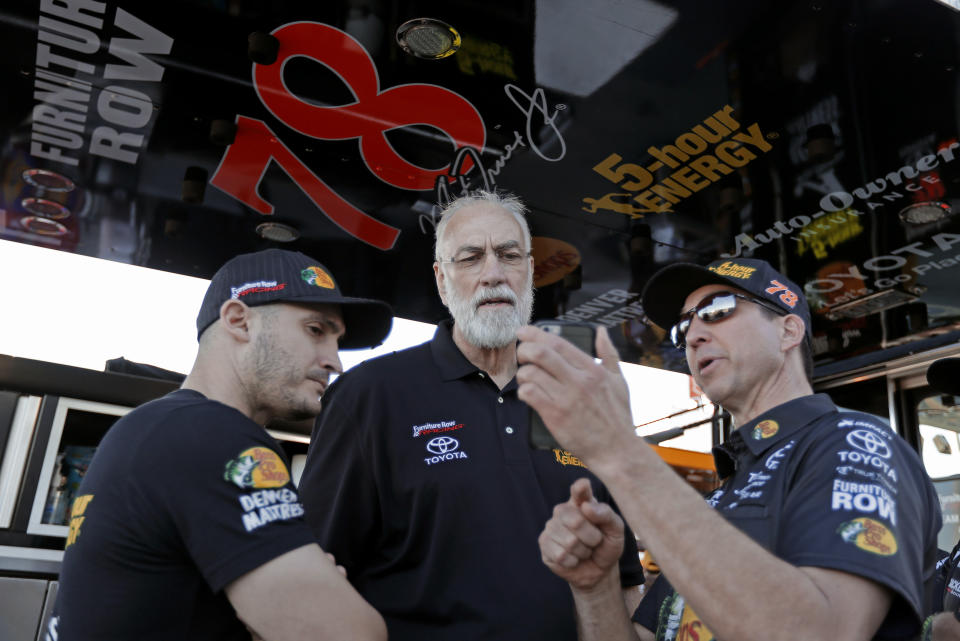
{"x": 606, "y": 351}
{"x": 604, "y": 518}
{"x": 581, "y": 492}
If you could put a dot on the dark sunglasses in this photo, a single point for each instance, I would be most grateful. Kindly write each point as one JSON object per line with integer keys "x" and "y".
{"x": 711, "y": 309}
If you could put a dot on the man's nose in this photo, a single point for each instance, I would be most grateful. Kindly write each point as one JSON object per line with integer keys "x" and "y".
{"x": 492, "y": 272}
{"x": 697, "y": 332}
{"x": 330, "y": 359}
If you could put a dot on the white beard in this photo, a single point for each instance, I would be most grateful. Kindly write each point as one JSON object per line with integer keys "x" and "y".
{"x": 490, "y": 328}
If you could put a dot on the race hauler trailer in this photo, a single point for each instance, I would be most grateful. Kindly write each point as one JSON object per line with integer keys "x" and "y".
{"x": 823, "y": 137}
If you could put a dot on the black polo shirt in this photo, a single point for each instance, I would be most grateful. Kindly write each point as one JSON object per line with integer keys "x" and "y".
{"x": 823, "y": 488}
{"x": 421, "y": 481}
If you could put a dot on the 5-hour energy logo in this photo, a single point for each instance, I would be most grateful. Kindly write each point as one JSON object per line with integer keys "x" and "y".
{"x": 700, "y": 157}
{"x": 567, "y": 458}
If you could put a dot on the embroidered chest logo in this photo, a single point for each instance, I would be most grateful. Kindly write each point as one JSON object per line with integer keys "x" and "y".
{"x": 777, "y": 457}
{"x": 567, "y": 458}
{"x": 765, "y": 429}
{"x": 256, "y": 467}
{"x": 429, "y": 429}
{"x": 869, "y": 535}
{"x": 443, "y": 449}
{"x": 869, "y": 442}
{"x": 754, "y": 487}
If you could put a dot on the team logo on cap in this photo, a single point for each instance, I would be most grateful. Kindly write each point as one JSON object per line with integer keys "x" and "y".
{"x": 765, "y": 429}
{"x": 257, "y": 467}
{"x": 869, "y": 535}
{"x": 316, "y": 276}
{"x": 731, "y": 269}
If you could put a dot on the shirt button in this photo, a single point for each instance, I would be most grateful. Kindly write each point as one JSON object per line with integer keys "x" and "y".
{"x": 508, "y": 430}
{"x": 481, "y": 375}
{"x": 499, "y": 399}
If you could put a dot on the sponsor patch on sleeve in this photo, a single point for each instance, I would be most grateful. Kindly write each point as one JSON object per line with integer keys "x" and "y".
{"x": 257, "y": 467}
{"x": 266, "y": 506}
{"x": 869, "y": 535}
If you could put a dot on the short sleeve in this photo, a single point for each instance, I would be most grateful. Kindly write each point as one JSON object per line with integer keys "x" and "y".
{"x": 226, "y": 487}
{"x": 338, "y": 485}
{"x": 857, "y": 503}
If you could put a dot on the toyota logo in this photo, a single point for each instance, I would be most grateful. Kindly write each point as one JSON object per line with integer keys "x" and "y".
{"x": 867, "y": 441}
{"x": 442, "y": 445}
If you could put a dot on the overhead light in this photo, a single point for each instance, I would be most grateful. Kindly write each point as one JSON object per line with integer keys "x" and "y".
{"x": 925, "y": 212}
{"x": 46, "y": 179}
{"x": 428, "y": 38}
{"x": 278, "y": 232}
{"x": 45, "y": 208}
{"x": 43, "y": 226}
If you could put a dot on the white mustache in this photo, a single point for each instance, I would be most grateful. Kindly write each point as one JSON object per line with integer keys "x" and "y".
{"x": 488, "y": 293}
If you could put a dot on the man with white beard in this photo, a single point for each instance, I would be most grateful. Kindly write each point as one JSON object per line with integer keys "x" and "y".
{"x": 420, "y": 478}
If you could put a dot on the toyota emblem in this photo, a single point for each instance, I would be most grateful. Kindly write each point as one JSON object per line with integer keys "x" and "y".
{"x": 442, "y": 445}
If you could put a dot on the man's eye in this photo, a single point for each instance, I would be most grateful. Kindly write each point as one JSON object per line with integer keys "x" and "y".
{"x": 511, "y": 257}
{"x": 315, "y": 330}
{"x": 472, "y": 259}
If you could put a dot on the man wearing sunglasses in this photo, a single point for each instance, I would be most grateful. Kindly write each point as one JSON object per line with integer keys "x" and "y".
{"x": 825, "y": 525}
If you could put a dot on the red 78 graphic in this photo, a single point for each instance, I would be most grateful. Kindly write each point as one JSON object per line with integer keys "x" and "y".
{"x": 368, "y": 119}
{"x": 786, "y": 295}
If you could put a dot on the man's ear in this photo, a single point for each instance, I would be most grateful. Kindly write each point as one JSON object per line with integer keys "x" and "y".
{"x": 235, "y": 317}
{"x": 794, "y": 331}
{"x": 441, "y": 282}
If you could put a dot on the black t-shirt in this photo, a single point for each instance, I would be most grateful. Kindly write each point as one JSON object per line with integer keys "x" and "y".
{"x": 421, "y": 481}
{"x": 183, "y": 496}
{"x": 822, "y": 488}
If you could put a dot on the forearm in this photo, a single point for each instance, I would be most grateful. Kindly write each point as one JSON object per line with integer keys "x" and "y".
{"x": 601, "y": 612}
{"x": 737, "y": 588}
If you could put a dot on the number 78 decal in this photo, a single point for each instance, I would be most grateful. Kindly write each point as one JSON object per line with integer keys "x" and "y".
{"x": 367, "y": 119}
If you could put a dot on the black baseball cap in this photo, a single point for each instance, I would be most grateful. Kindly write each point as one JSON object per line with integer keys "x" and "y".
{"x": 666, "y": 291}
{"x": 282, "y": 276}
{"x": 944, "y": 376}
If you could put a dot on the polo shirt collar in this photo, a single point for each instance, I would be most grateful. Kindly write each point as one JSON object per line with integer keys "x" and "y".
{"x": 770, "y": 428}
{"x": 448, "y": 357}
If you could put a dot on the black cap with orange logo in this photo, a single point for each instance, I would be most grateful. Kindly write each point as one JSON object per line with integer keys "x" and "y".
{"x": 666, "y": 291}
{"x": 282, "y": 276}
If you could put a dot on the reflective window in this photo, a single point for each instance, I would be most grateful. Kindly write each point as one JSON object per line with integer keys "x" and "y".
{"x": 938, "y": 416}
